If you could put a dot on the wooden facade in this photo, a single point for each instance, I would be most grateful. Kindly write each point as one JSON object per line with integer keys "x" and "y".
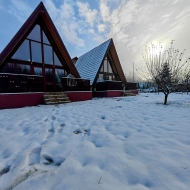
{"x": 113, "y": 76}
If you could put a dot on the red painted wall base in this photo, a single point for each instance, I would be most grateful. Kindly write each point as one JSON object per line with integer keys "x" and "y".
{"x": 19, "y": 100}
{"x": 108, "y": 93}
{"x": 134, "y": 91}
{"x": 76, "y": 96}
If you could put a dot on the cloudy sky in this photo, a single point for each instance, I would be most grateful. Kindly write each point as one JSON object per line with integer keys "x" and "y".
{"x": 83, "y": 24}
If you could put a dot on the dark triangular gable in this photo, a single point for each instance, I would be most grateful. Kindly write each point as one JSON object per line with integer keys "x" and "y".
{"x": 89, "y": 64}
{"x": 115, "y": 58}
{"x": 39, "y": 15}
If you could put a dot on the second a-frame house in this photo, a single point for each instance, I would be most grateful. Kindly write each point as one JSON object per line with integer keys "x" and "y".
{"x": 37, "y": 49}
{"x": 102, "y": 67}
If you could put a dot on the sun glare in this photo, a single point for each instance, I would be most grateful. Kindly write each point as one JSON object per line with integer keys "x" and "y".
{"x": 155, "y": 48}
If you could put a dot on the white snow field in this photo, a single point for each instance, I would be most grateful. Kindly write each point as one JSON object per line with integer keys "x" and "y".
{"x": 127, "y": 143}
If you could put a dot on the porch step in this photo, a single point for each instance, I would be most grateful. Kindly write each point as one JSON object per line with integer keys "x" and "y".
{"x": 128, "y": 93}
{"x": 54, "y": 98}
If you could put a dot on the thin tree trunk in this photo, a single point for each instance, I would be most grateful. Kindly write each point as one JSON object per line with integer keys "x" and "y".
{"x": 165, "y": 99}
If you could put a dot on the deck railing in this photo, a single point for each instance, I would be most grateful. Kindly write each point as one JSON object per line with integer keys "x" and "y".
{"x": 109, "y": 85}
{"x": 75, "y": 84}
{"x": 11, "y": 83}
{"x": 131, "y": 86}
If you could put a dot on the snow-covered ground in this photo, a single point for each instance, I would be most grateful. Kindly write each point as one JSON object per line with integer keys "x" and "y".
{"x": 103, "y": 144}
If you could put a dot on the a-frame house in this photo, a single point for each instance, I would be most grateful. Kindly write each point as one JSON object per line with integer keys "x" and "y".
{"x": 37, "y": 49}
{"x": 102, "y": 66}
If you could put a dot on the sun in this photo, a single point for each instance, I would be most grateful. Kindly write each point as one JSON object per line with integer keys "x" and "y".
{"x": 154, "y": 48}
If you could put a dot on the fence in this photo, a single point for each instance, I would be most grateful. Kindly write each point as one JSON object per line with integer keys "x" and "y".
{"x": 75, "y": 84}
{"x": 11, "y": 83}
{"x": 109, "y": 85}
{"x": 131, "y": 86}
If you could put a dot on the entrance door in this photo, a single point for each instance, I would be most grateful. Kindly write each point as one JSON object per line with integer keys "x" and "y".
{"x": 49, "y": 80}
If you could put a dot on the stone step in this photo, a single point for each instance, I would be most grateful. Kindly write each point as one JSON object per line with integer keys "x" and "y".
{"x": 54, "y": 96}
{"x": 54, "y": 93}
{"x": 60, "y": 102}
{"x": 128, "y": 93}
{"x": 51, "y": 98}
{"x": 56, "y": 99}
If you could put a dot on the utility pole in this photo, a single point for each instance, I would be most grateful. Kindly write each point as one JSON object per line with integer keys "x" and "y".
{"x": 133, "y": 73}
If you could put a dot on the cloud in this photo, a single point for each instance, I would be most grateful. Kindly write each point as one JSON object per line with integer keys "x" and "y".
{"x": 104, "y": 11}
{"x": 66, "y": 22}
{"x": 91, "y": 31}
{"x": 19, "y": 9}
{"x": 85, "y": 11}
{"x": 134, "y": 23}
{"x": 101, "y": 27}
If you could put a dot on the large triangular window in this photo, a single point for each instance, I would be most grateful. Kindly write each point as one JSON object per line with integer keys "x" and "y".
{"x": 56, "y": 60}
{"x": 35, "y": 34}
{"x": 31, "y": 49}
{"x": 36, "y": 50}
{"x": 23, "y": 52}
{"x": 106, "y": 71}
{"x": 45, "y": 39}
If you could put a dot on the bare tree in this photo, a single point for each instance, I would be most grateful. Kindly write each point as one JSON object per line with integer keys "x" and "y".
{"x": 164, "y": 68}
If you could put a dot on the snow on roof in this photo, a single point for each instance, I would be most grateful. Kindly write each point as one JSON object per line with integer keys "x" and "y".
{"x": 89, "y": 63}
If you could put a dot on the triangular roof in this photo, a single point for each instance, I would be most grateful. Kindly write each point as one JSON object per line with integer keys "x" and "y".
{"x": 88, "y": 65}
{"x": 40, "y": 13}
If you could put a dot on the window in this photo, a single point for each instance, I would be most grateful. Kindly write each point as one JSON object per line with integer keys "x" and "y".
{"x": 109, "y": 68}
{"x": 45, "y": 40}
{"x": 105, "y": 66}
{"x": 48, "y": 57}
{"x": 66, "y": 74}
{"x": 23, "y": 52}
{"x": 8, "y": 68}
{"x": 37, "y": 71}
{"x": 35, "y": 34}
{"x": 36, "y": 52}
{"x": 107, "y": 72}
{"x": 102, "y": 68}
{"x": 49, "y": 75}
{"x": 59, "y": 73}
{"x": 22, "y": 69}
{"x": 100, "y": 78}
{"x": 56, "y": 60}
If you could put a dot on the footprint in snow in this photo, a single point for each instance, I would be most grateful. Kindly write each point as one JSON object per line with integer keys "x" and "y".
{"x": 34, "y": 156}
{"x": 45, "y": 119}
{"x": 103, "y": 117}
{"x": 4, "y": 170}
{"x": 57, "y": 112}
{"x": 85, "y": 131}
{"x": 126, "y": 134}
{"x": 77, "y": 131}
{"x": 50, "y": 133}
{"x": 53, "y": 118}
{"x": 60, "y": 128}
{"x": 48, "y": 160}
